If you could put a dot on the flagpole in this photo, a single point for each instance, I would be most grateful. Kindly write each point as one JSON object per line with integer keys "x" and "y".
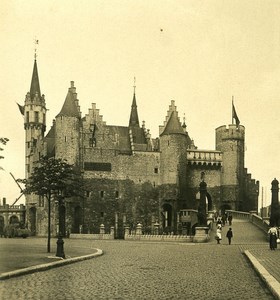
{"x": 232, "y": 110}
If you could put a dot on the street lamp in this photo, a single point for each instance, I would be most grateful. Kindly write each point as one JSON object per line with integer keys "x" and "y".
{"x": 60, "y": 242}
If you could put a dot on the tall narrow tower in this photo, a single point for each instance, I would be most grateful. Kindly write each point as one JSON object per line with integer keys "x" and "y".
{"x": 230, "y": 140}
{"x": 34, "y": 119}
{"x": 67, "y": 129}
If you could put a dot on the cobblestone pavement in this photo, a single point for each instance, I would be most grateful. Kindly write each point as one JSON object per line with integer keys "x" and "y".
{"x": 136, "y": 270}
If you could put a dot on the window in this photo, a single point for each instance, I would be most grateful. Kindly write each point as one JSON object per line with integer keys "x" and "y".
{"x": 36, "y": 116}
{"x": 101, "y": 214}
{"x": 117, "y": 194}
{"x": 102, "y": 194}
{"x": 156, "y": 170}
{"x": 87, "y": 193}
{"x": 41, "y": 201}
{"x": 27, "y": 117}
{"x": 91, "y": 166}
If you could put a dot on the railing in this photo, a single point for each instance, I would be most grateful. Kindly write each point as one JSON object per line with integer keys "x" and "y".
{"x": 239, "y": 214}
{"x": 253, "y": 217}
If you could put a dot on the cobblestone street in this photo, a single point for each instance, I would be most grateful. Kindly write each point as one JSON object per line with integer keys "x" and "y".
{"x": 133, "y": 270}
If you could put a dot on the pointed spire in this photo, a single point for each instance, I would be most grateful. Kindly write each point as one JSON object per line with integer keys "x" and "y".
{"x": 35, "y": 85}
{"x": 134, "y": 120}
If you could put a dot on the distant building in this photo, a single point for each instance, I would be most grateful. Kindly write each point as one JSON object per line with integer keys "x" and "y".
{"x": 11, "y": 214}
{"x": 131, "y": 177}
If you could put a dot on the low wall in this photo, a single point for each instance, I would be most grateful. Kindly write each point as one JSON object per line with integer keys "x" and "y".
{"x": 90, "y": 236}
{"x": 159, "y": 238}
{"x": 263, "y": 224}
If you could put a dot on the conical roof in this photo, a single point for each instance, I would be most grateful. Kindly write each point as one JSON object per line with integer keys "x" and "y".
{"x": 35, "y": 86}
{"x": 69, "y": 107}
{"x": 173, "y": 125}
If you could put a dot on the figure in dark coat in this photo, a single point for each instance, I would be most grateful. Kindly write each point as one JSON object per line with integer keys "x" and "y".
{"x": 273, "y": 235}
{"x": 229, "y": 235}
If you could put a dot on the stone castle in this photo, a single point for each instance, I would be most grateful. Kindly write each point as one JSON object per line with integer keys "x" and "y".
{"x": 129, "y": 176}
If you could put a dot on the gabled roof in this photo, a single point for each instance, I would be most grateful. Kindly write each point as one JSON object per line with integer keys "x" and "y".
{"x": 35, "y": 86}
{"x": 69, "y": 108}
{"x": 173, "y": 125}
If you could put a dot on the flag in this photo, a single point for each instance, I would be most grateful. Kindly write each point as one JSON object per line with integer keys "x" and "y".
{"x": 234, "y": 115}
{"x": 21, "y": 109}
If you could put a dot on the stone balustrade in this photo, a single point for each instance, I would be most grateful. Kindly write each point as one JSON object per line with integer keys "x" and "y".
{"x": 204, "y": 157}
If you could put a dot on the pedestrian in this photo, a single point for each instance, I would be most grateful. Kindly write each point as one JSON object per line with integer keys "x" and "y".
{"x": 229, "y": 235}
{"x": 230, "y": 220}
{"x": 273, "y": 235}
{"x": 219, "y": 234}
{"x": 219, "y": 222}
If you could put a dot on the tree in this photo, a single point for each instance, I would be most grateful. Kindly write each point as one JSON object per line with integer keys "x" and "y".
{"x": 55, "y": 179}
{"x": 3, "y": 141}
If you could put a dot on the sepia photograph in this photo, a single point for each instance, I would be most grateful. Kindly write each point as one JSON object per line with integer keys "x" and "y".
{"x": 139, "y": 149}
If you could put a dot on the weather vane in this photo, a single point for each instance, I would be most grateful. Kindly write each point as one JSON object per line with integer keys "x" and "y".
{"x": 36, "y": 42}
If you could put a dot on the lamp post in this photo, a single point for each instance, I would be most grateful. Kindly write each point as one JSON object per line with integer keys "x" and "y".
{"x": 60, "y": 242}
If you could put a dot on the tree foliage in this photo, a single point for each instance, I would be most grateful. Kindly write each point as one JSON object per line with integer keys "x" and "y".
{"x": 53, "y": 176}
{"x": 3, "y": 141}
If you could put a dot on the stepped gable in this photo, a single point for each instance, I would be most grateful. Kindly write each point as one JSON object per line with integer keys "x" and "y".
{"x": 172, "y": 124}
{"x": 70, "y": 107}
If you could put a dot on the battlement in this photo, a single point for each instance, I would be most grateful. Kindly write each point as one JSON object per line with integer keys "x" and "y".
{"x": 230, "y": 132}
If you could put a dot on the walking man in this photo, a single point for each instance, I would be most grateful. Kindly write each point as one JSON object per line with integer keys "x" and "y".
{"x": 229, "y": 235}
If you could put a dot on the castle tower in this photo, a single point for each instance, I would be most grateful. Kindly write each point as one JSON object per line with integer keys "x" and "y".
{"x": 34, "y": 119}
{"x": 67, "y": 129}
{"x": 230, "y": 141}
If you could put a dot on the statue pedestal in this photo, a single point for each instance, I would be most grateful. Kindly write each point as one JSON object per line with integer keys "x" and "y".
{"x": 201, "y": 235}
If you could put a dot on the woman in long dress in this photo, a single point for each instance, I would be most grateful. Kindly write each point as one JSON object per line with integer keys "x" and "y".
{"x": 219, "y": 234}
{"x": 273, "y": 235}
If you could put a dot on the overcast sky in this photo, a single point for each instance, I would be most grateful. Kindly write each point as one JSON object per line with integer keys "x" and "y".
{"x": 198, "y": 53}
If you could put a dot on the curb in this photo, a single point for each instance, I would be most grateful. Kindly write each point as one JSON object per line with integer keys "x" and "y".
{"x": 272, "y": 284}
{"x": 48, "y": 266}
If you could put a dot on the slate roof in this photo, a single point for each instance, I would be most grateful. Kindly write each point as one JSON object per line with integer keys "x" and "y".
{"x": 35, "y": 86}
{"x": 173, "y": 125}
{"x": 69, "y": 108}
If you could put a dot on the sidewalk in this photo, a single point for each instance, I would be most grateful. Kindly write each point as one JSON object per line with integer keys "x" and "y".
{"x": 253, "y": 244}
{"x": 24, "y": 256}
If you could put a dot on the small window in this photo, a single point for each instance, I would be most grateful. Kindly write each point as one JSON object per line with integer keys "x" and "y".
{"x": 36, "y": 117}
{"x": 117, "y": 194}
{"x": 102, "y": 194}
{"x": 27, "y": 117}
{"x": 87, "y": 193}
{"x": 65, "y": 138}
{"x": 156, "y": 170}
{"x": 101, "y": 214}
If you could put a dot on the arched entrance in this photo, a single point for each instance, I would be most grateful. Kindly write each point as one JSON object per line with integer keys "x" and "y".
{"x": 32, "y": 220}
{"x": 167, "y": 217}
{"x": 14, "y": 220}
{"x": 78, "y": 219}
{"x": 209, "y": 203}
{"x": 224, "y": 208}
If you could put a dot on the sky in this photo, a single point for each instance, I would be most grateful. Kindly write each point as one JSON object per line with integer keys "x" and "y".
{"x": 198, "y": 53}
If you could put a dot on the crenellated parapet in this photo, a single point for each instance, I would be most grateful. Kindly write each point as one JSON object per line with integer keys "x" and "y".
{"x": 205, "y": 158}
{"x": 230, "y": 132}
